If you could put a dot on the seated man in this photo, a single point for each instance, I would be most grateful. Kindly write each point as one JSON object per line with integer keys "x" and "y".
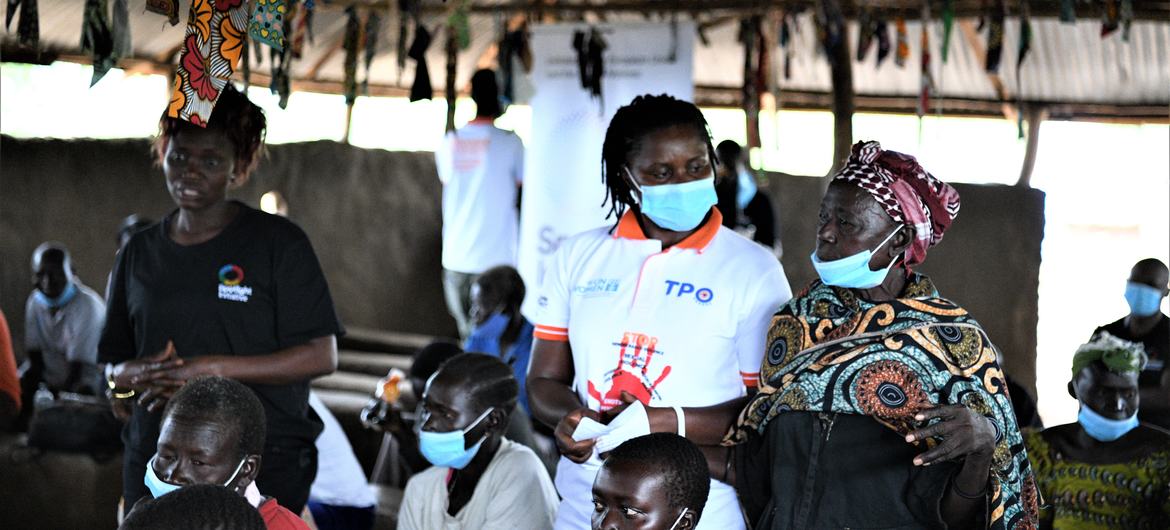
{"x": 198, "y": 507}
{"x": 480, "y": 479}
{"x": 1107, "y": 470}
{"x": 212, "y": 432}
{"x": 63, "y": 323}
{"x": 655, "y": 482}
{"x": 1148, "y": 325}
{"x": 499, "y": 328}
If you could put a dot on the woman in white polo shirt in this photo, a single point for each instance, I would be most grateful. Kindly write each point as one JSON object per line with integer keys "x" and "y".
{"x": 667, "y": 307}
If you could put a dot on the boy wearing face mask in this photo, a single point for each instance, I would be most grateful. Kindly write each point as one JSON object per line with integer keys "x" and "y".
{"x": 1148, "y": 325}
{"x": 480, "y": 480}
{"x": 1108, "y": 470}
{"x": 654, "y": 482}
{"x": 212, "y": 432}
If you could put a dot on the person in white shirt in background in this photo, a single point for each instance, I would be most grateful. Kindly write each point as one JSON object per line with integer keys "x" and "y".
{"x": 480, "y": 480}
{"x": 63, "y": 323}
{"x": 481, "y": 167}
{"x": 340, "y": 497}
{"x": 668, "y": 310}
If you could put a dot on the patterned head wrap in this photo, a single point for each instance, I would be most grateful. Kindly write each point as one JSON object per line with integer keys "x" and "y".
{"x": 906, "y": 192}
{"x": 1119, "y": 356}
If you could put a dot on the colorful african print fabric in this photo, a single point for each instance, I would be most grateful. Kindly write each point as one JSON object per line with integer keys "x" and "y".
{"x": 211, "y": 50}
{"x": 1133, "y": 495}
{"x": 267, "y": 22}
{"x": 830, "y": 351}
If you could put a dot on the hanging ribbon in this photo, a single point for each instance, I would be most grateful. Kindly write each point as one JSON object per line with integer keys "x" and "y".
{"x": 1068, "y": 11}
{"x": 1109, "y": 17}
{"x": 883, "y": 38}
{"x": 995, "y": 38}
{"x": 460, "y": 25}
{"x": 211, "y": 49}
{"x": 166, "y": 8}
{"x": 28, "y": 30}
{"x": 267, "y": 22}
{"x": 597, "y": 46}
{"x": 452, "y": 49}
{"x": 786, "y": 43}
{"x": 421, "y": 89}
{"x": 96, "y": 38}
{"x": 281, "y": 58}
{"x": 373, "y": 22}
{"x": 1126, "y": 18}
{"x": 406, "y": 11}
{"x": 245, "y": 63}
{"x": 866, "y": 27}
{"x": 581, "y": 46}
{"x": 902, "y": 53}
{"x": 353, "y": 29}
{"x": 948, "y": 18}
{"x": 926, "y": 79}
{"x": 120, "y": 29}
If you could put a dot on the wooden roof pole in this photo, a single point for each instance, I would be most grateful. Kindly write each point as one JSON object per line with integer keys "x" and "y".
{"x": 1035, "y": 115}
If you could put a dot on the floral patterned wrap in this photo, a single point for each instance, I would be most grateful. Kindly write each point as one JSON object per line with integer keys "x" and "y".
{"x": 829, "y": 351}
{"x": 211, "y": 50}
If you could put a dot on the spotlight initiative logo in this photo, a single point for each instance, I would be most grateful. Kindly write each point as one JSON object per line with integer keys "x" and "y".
{"x": 231, "y": 278}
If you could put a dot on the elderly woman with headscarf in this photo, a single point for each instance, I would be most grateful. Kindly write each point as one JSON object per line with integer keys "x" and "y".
{"x": 881, "y": 403}
{"x": 1107, "y": 470}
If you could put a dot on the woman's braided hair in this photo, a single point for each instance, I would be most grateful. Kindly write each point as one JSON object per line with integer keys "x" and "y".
{"x": 623, "y": 138}
{"x": 490, "y": 382}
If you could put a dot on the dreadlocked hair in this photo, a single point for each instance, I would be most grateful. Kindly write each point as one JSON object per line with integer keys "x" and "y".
{"x": 489, "y": 381}
{"x": 678, "y": 461}
{"x": 223, "y": 401}
{"x": 236, "y": 117}
{"x": 644, "y": 115}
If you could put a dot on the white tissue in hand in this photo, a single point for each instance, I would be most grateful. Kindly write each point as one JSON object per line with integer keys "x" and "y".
{"x": 631, "y": 423}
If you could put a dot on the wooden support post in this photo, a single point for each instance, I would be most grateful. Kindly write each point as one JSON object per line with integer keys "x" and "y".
{"x": 841, "y": 65}
{"x": 1034, "y": 114}
{"x": 348, "y": 123}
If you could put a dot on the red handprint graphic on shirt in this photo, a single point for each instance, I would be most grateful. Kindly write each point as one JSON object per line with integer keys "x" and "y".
{"x": 638, "y": 351}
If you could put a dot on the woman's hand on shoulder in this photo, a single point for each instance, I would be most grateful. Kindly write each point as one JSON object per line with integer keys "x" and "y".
{"x": 576, "y": 451}
{"x": 962, "y": 433}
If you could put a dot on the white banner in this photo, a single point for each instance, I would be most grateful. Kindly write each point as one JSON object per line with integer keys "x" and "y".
{"x": 563, "y": 190}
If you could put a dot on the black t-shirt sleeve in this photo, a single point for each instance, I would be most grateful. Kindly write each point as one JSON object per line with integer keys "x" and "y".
{"x": 117, "y": 342}
{"x": 304, "y": 308}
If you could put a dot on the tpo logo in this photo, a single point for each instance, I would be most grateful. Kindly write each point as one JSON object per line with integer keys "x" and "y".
{"x": 679, "y": 289}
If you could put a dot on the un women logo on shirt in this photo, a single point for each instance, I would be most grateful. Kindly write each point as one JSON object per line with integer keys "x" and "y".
{"x": 231, "y": 279}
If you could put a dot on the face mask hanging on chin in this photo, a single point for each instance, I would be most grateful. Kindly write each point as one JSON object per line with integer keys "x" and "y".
{"x": 1103, "y": 429}
{"x": 677, "y": 207}
{"x": 853, "y": 272}
{"x": 54, "y": 303}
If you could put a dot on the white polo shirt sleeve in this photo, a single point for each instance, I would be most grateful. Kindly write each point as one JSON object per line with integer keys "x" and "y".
{"x": 551, "y": 318}
{"x": 752, "y": 335}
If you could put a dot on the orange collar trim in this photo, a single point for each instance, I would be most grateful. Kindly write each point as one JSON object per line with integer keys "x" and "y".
{"x": 628, "y": 228}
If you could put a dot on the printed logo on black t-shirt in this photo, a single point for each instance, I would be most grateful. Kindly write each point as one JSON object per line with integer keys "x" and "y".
{"x": 231, "y": 278}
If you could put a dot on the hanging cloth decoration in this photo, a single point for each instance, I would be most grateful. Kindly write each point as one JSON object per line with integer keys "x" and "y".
{"x": 373, "y": 22}
{"x": 1126, "y": 18}
{"x": 866, "y": 28}
{"x": 926, "y": 80}
{"x": 995, "y": 38}
{"x": 245, "y": 63}
{"x": 281, "y": 59}
{"x": 407, "y": 10}
{"x": 948, "y": 18}
{"x": 211, "y": 49}
{"x": 1110, "y": 15}
{"x": 267, "y": 22}
{"x": 581, "y": 46}
{"x": 421, "y": 89}
{"x": 590, "y": 67}
{"x": 96, "y": 38}
{"x": 1068, "y": 11}
{"x": 120, "y": 29}
{"x": 902, "y": 53}
{"x": 459, "y": 23}
{"x": 302, "y": 29}
{"x": 452, "y": 49}
{"x": 166, "y": 8}
{"x": 28, "y": 30}
{"x": 786, "y": 44}
{"x": 352, "y": 43}
{"x": 883, "y": 39}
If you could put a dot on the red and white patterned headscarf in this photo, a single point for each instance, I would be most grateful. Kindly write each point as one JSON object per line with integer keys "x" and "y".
{"x": 905, "y": 191}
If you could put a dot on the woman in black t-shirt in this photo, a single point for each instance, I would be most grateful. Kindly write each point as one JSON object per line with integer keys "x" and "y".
{"x": 219, "y": 288}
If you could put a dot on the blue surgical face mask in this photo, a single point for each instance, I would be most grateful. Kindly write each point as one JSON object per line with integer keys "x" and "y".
{"x": 445, "y": 449}
{"x": 158, "y": 487}
{"x": 853, "y": 271}
{"x": 1143, "y": 300}
{"x": 677, "y": 207}
{"x": 55, "y": 303}
{"x": 1104, "y": 429}
{"x": 747, "y": 189}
